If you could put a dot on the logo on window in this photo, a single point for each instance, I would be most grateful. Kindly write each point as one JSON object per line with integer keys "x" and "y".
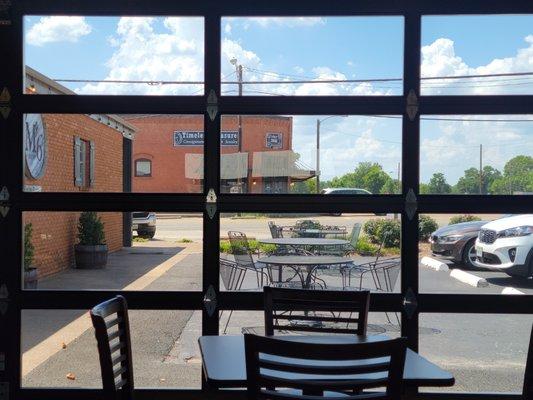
{"x": 34, "y": 145}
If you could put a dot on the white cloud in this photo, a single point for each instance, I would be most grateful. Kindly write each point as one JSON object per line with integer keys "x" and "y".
{"x": 57, "y": 29}
{"x": 142, "y": 53}
{"x": 440, "y": 59}
{"x": 290, "y": 22}
{"x": 227, "y": 28}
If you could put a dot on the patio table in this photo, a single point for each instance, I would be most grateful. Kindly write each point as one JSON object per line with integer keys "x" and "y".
{"x": 308, "y": 263}
{"x": 225, "y": 367}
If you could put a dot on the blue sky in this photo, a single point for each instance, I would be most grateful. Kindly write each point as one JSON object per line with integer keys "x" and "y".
{"x": 315, "y": 48}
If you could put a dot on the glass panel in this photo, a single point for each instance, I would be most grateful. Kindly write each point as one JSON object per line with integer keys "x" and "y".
{"x": 346, "y": 252}
{"x": 85, "y": 153}
{"x": 59, "y": 349}
{"x": 113, "y": 55}
{"x": 342, "y": 60}
{"x": 456, "y": 46}
{"x": 282, "y": 154}
{"x": 485, "y": 353}
{"x": 166, "y": 252}
{"x": 476, "y": 254}
{"x": 253, "y": 322}
{"x": 473, "y": 154}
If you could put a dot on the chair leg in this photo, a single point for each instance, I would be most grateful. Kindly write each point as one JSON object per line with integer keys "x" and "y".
{"x": 227, "y": 322}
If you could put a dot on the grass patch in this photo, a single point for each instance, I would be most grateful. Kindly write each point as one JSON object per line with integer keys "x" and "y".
{"x": 184, "y": 240}
{"x": 138, "y": 239}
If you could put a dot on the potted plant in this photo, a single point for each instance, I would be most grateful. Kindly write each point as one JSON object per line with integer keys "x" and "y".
{"x": 30, "y": 272}
{"x": 91, "y": 250}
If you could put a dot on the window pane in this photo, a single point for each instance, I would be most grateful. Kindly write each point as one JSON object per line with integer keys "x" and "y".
{"x": 113, "y": 55}
{"x": 343, "y": 59}
{"x": 476, "y": 254}
{"x": 143, "y": 168}
{"x": 352, "y": 251}
{"x": 80, "y": 152}
{"x": 59, "y": 349}
{"x": 456, "y": 46}
{"x": 485, "y": 353}
{"x": 279, "y": 154}
{"x": 165, "y": 254}
{"x": 473, "y": 154}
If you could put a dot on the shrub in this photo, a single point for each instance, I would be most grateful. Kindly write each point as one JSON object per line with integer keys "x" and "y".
{"x": 90, "y": 229}
{"x": 383, "y": 230}
{"x": 457, "y": 219}
{"x": 29, "y": 249}
{"x": 426, "y": 225}
{"x": 254, "y": 245}
{"x": 365, "y": 248}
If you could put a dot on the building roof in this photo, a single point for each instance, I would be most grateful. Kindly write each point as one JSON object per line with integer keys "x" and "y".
{"x": 41, "y": 84}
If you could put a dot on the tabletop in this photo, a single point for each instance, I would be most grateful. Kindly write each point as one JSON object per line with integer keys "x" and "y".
{"x": 224, "y": 360}
{"x": 304, "y": 260}
{"x": 304, "y": 241}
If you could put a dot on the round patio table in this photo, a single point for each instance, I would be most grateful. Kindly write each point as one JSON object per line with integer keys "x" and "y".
{"x": 304, "y": 241}
{"x": 306, "y": 263}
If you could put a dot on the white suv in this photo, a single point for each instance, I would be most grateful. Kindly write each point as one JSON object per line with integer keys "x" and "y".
{"x": 506, "y": 245}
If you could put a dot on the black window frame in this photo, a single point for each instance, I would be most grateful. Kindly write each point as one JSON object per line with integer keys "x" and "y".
{"x": 11, "y": 174}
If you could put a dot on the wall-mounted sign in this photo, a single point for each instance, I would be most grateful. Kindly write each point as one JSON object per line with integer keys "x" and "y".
{"x": 196, "y": 138}
{"x": 274, "y": 140}
{"x": 35, "y": 146}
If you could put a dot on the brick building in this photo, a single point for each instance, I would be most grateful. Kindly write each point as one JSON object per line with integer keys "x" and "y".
{"x": 70, "y": 153}
{"x": 168, "y": 154}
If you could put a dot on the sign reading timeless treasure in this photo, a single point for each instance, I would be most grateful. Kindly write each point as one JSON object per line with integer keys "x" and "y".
{"x": 196, "y": 138}
{"x": 35, "y": 151}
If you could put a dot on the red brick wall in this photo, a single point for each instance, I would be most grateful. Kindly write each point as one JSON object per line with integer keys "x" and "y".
{"x": 55, "y": 233}
{"x": 154, "y": 141}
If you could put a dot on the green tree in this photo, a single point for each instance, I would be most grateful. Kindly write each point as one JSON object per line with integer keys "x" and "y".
{"x": 367, "y": 175}
{"x": 424, "y": 188}
{"x": 517, "y": 176}
{"x": 438, "y": 185}
{"x": 469, "y": 183}
{"x": 305, "y": 187}
{"x": 391, "y": 187}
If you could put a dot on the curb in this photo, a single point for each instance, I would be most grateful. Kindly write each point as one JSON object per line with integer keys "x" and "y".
{"x": 511, "y": 290}
{"x": 434, "y": 264}
{"x": 468, "y": 278}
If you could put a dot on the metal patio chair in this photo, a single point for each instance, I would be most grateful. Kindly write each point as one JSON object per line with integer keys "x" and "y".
{"x": 275, "y": 230}
{"x": 232, "y": 276}
{"x": 243, "y": 255}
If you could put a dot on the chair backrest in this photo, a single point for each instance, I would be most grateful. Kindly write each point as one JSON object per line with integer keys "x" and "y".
{"x": 241, "y": 249}
{"x": 111, "y": 326}
{"x": 232, "y": 275}
{"x": 354, "y": 237}
{"x": 320, "y": 311}
{"x": 311, "y": 370}
{"x": 275, "y": 230}
{"x": 387, "y": 272}
{"x": 527, "y": 393}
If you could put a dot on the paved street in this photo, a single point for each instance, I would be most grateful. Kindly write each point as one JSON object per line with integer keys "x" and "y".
{"x": 485, "y": 352}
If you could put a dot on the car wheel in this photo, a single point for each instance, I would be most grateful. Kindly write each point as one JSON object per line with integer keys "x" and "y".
{"x": 469, "y": 255}
{"x": 336, "y": 214}
{"x": 147, "y": 235}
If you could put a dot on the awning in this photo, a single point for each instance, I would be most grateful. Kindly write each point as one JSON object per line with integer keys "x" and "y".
{"x": 269, "y": 164}
{"x": 232, "y": 165}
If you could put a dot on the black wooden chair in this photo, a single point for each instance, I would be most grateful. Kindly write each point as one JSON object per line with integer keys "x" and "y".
{"x": 318, "y": 311}
{"x": 527, "y": 393}
{"x": 309, "y": 370}
{"x": 111, "y": 326}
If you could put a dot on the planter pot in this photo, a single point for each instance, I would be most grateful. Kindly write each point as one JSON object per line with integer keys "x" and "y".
{"x": 90, "y": 256}
{"x": 30, "y": 278}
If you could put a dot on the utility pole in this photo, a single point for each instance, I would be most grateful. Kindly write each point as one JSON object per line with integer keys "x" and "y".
{"x": 238, "y": 70}
{"x": 480, "y": 169}
{"x": 317, "y": 156}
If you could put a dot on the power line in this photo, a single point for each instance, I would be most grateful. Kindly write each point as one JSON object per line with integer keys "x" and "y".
{"x": 301, "y": 81}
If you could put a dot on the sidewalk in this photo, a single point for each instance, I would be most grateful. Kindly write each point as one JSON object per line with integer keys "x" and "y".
{"x": 59, "y": 342}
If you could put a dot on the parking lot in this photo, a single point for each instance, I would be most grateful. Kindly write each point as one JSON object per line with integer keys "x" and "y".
{"x": 172, "y": 262}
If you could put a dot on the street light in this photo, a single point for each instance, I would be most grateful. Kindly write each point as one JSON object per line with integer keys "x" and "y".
{"x": 318, "y": 123}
